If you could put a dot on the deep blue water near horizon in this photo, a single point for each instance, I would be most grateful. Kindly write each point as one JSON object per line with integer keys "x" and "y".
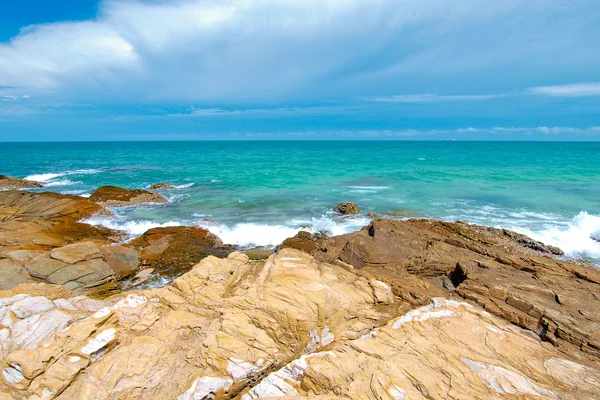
{"x": 262, "y": 192}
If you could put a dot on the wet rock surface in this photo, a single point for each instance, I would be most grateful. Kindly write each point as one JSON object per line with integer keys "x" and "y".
{"x": 161, "y": 186}
{"x": 10, "y": 183}
{"x": 175, "y": 250}
{"x": 347, "y": 208}
{"x": 114, "y": 196}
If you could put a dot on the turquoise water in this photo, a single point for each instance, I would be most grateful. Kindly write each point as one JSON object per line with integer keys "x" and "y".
{"x": 261, "y": 192}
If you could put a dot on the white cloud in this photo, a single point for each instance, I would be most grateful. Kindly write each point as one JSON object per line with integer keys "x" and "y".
{"x": 432, "y": 98}
{"x": 570, "y": 90}
{"x": 252, "y": 51}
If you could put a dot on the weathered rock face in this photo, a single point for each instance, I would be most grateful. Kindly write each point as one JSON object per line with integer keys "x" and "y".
{"x": 288, "y": 327}
{"x": 347, "y": 208}
{"x": 161, "y": 186}
{"x": 10, "y": 183}
{"x": 505, "y": 275}
{"x": 115, "y": 196}
{"x": 81, "y": 267}
{"x": 174, "y": 250}
{"x": 47, "y": 220}
{"x": 217, "y": 329}
{"x": 446, "y": 349}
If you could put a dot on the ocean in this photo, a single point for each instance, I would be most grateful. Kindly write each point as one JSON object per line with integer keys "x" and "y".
{"x": 261, "y": 192}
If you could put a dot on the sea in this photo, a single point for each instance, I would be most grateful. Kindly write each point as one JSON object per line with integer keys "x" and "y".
{"x": 258, "y": 193}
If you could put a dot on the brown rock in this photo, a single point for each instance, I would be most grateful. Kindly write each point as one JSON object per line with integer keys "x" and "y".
{"x": 10, "y": 183}
{"x": 124, "y": 261}
{"x": 507, "y": 274}
{"x": 347, "y": 208}
{"x": 36, "y": 221}
{"x": 116, "y": 196}
{"x": 174, "y": 250}
{"x": 161, "y": 186}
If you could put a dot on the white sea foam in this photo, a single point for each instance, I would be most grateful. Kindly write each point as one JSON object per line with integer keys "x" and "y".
{"x": 184, "y": 186}
{"x": 42, "y": 177}
{"x": 575, "y": 238}
{"x": 61, "y": 182}
{"x": 250, "y": 234}
{"x": 134, "y": 228}
{"x": 247, "y": 234}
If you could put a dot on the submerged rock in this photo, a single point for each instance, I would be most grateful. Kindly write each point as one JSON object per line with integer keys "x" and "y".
{"x": 161, "y": 186}
{"x": 347, "y": 208}
{"x": 10, "y": 183}
{"x": 115, "y": 196}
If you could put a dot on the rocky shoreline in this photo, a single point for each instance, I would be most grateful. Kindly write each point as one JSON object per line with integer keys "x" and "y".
{"x": 415, "y": 309}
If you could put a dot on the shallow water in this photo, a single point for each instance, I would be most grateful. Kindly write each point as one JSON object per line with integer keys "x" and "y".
{"x": 262, "y": 192}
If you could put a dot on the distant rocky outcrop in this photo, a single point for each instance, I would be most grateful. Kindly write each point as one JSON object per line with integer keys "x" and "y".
{"x": 10, "y": 183}
{"x": 347, "y": 208}
{"x": 161, "y": 186}
{"x": 114, "y": 196}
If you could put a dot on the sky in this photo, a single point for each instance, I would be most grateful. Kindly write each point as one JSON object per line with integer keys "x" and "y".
{"x": 299, "y": 69}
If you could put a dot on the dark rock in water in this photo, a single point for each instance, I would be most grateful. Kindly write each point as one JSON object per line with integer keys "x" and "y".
{"x": 347, "y": 208}
{"x": 595, "y": 237}
{"x": 506, "y": 273}
{"x": 175, "y": 250}
{"x": 373, "y": 215}
{"x": 115, "y": 196}
{"x": 161, "y": 186}
{"x": 10, "y": 183}
{"x": 399, "y": 214}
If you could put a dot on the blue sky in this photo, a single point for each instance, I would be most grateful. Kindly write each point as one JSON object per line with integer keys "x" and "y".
{"x": 300, "y": 69}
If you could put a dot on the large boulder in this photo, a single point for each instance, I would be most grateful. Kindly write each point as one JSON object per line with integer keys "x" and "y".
{"x": 289, "y": 327}
{"x": 509, "y": 275}
{"x": 47, "y": 220}
{"x": 347, "y": 208}
{"x": 172, "y": 251}
{"x": 115, "y": 196}
{"x": 10, "y": 183}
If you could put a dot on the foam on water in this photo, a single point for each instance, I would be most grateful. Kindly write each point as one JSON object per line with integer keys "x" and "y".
{"x": 247, "y": 234}
{"x": 42, "y": 177}
{"x": 132, "y": 228}
{"x": 575, "y": 239}
{"x": 61, "y": 182}
{"x": 184, "y": 186}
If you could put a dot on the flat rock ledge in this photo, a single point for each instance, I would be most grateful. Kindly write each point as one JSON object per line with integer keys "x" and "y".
{"x": 10, "y": 183}
{"x": 114, "y": 196}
